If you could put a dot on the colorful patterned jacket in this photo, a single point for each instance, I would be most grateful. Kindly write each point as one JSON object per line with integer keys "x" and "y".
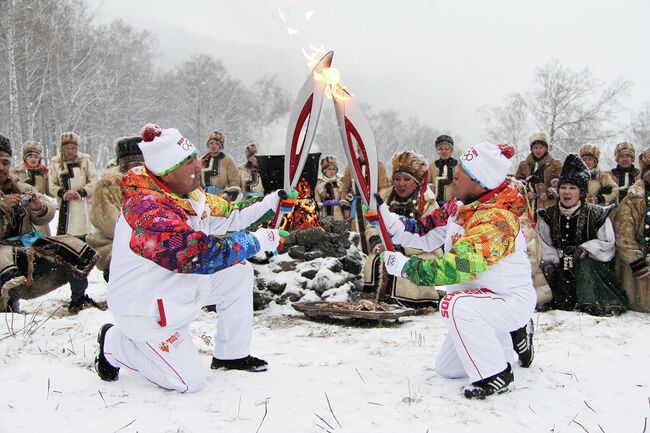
{"x": 166, "y": 247}
{"x": 483, "y": 242}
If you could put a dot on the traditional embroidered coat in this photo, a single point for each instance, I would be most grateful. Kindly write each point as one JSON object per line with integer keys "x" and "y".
{"x": 624, "y": 178}
{"x": 586, "y": 283}
{"x": 328, "y": 189}
{"x": 166, "y": 247}
{"x": 81, "y": 176}
{"x": 441, "y": 174}
{"x": 375, "y": 276}
{"x": 36, "y": 177}
{"x": 632, "y": 227}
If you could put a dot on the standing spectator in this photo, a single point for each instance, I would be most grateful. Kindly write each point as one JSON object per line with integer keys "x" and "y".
{"x": 72, "y": 178}
{"x": 249, "y": 174}
{"x": 441, "y": 171}
{"x": 351, "y": 199}
{"x": 32, "y": 265}
{"x": 410, "y": 197}
{"x": 625, "y": 173}
{"x": 34, "y": 173}
{"x": 578, "y": 247}
{"x": 632, "y": 226}
{"x": 540, "y": 171}
{"x": 107, "y": 200}
{"x": 602, "y": 189}
{"x": 220, "y": 174}
{"x": 328, "y": 188}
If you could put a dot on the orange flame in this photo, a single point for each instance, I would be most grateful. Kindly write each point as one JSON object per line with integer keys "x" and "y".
{"x": 304, "y": 213}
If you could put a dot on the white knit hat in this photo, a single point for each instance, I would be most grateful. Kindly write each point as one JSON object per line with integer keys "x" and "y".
{"x": 488, "y": 164}
{"x": 164, "y": 150}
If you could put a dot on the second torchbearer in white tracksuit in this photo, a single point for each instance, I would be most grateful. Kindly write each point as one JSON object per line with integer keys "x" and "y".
{"x": 170, "y": 258}
{"x": 485, "y": 268}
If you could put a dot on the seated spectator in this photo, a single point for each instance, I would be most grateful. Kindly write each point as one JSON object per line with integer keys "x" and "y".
{"x": 328, "y": 189}
{"x": 31, "y": 264}
{"x": 410, "y": 197}
{"x": 602, "y": 189}
{"x": 632, "y": 226}
{"x": 578, "y": 248}
{"x": 107, "y": 200}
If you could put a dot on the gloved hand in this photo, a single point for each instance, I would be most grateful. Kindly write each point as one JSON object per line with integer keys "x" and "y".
{"x": 270, "y": 240}
{"x": 394, "y": 262}
{"x": 370, "y": 216}
{"x": 287, "y": 201}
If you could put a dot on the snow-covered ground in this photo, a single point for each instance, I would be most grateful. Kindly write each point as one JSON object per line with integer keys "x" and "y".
{"x": 590, "y": 374}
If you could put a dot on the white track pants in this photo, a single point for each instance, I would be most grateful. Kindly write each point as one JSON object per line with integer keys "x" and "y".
{"x": 174, "y": 362}
{"x": 478, "y": 343}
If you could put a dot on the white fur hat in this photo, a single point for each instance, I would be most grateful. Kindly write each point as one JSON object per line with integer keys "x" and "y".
{"x": 488, "y": 164}
{"x": 164, "y": 150}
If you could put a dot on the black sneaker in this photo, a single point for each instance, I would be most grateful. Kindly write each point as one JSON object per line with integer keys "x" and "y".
{"x": 82, "y": 303}
{"x": 248, "y": 363}
{"x": 496, "y": 384}
{"x": 522, "y": 342}
{"x": 104, "y": 369}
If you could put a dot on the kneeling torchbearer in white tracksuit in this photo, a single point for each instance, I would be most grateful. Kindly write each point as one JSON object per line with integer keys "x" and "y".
{"x": 171, "y": 256}
{"x": 485, "y": 267}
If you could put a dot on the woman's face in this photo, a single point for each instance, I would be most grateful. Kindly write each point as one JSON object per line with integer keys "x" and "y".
{"x": 404, "y": 185}
{"x": 32, "y": 160}
{"x": 330, "y": 171}
{"x": 569, "y": 195}
{"x": 589, "y": 162}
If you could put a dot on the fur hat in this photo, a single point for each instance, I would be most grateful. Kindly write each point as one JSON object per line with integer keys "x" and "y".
{"x": 488, "y": 164}
{"x": 218, "y": 137}
{"x": 250, "y": 151}
{"x": 624, "y": 148}
{"x": 32, "y": 148}
{"x": 410, "y": 163}
{"x": 128, "y": 147}
{"x": 327, "y": 162}
{"x": 164, "y": 150}
{"x": 575, "y": 172}
{"x": 444, "y": 139}
{"x": 538, "y": 138}
{"x": 590, "y": 150}
{"x": 69, "y": 137}
{"x": 5, "y": 148}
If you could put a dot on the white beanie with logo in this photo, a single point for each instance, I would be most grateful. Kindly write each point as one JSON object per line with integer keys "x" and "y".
{"x": 164, "y": 150}
{"x": 488, "y": 164}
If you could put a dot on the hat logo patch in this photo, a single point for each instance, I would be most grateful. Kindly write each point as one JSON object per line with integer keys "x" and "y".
{"x": 470, "y": 154}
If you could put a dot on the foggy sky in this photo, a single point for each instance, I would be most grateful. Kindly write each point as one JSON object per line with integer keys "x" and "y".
{"x": 439, "y": 61}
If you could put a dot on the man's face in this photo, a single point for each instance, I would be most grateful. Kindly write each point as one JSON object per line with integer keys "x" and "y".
{"x": 444, "y": 151}
{"x": 569, "y": 194}
{"x": 465, "y": 189}
{"x": 5, "y": 167}
{"x": 215, "y": 146}
{"x": 589, "y": 162}
{"x": 32, "y": 160}
{"x": 185, "y": 178}
{"x": 539, "y": 150}
{"x": 404, "y": 185}
{"x": 625, "y": 161}
{"x": 69, "y": 151}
